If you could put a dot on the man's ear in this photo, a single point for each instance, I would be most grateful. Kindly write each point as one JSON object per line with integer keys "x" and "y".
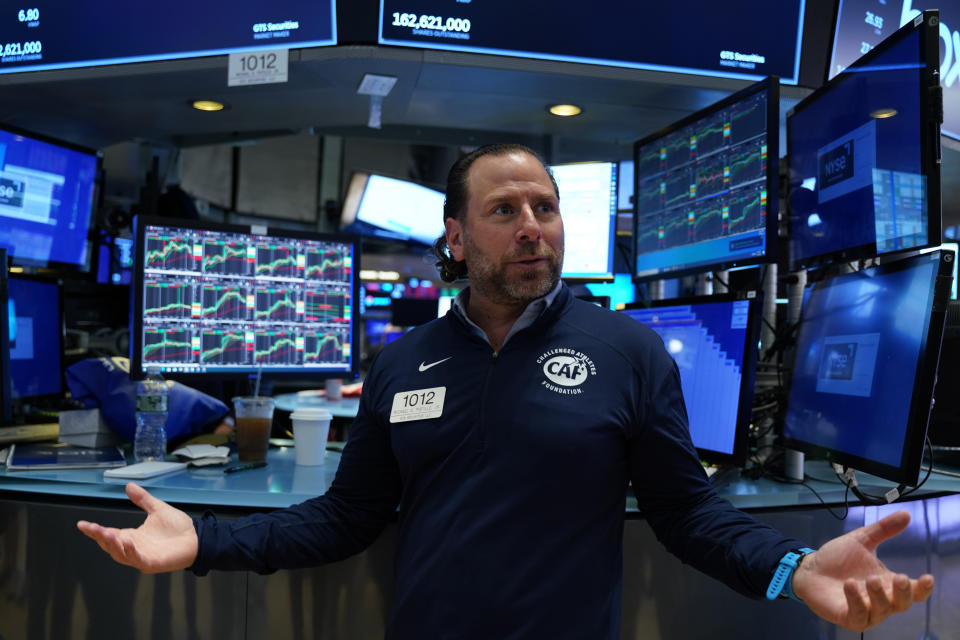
{"x": 454, "y": 231}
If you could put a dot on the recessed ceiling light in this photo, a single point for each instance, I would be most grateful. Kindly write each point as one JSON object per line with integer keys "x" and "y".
{"x": 564, "y": 110}
{"x": 207, "y": 105}
{"x": 883, "y": 113}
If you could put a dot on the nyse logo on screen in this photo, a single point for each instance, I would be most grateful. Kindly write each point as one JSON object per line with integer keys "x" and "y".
{"x": 836, "y": 165}
{"x": 11, "y": 192}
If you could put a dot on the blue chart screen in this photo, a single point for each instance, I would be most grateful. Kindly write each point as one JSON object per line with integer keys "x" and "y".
{"x": 720, "y": 39}
{"x": 46, "y": 193}
{"x": 34, "y": 338}
{"x": 857, "y": 181}
{"x": 225, "y": 301}
{"x": 707, "y": 341}
{"x": 78, "y": 34}
{"x": 861, "y": 337}
{"x": 702, "y": 194}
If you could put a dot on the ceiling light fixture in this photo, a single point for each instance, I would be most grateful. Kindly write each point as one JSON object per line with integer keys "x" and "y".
{"x": 207, "y": 105}
{"x": 564, "y": 110}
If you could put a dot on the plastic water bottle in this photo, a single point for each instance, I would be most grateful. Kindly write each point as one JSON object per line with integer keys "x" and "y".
{"x": 150, "y": 441}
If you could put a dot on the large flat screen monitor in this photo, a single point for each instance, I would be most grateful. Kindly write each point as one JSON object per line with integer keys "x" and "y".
{"x": 685, "y": 36}
{"x": 35, "y": 338}
{"x": 863, "y": 155}
{"x": 377, "y": 205}
{"x": 863, "y": 24}
{"x": 217, "y": 299}
{"x": 713, "y": 340}
{"x": 45, "y": 35}
{"x": 588, "y": 204}
{"x": 46, "y": 195}
{"x": 867, "y": 352}
{"x": 706, "y": 188}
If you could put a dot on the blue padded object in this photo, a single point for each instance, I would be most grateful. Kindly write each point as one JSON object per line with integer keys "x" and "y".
{"x": 106, "y": 383}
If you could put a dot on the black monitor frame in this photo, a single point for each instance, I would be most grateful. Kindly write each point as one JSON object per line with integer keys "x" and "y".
{"x": 137, "y": 369}
{"x": 6, "y": 389}
{"x": 915, "y": 431}
{"x": 741, "y": 441}
{"x": 771, "y": 86}
{"x": 931, "y": 113}
{"x": 18, "y": 403}
{"x": 95, "y": 195}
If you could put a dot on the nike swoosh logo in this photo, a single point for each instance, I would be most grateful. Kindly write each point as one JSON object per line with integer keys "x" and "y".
{"x": 424, "y": 366}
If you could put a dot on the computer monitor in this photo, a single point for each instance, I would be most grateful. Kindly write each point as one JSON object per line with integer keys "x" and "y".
{"x": 866, "y": 361}
{"x": 863, "y": 155}
{"x": 381, "y": 206}
{"x": 5, "y": 388}
{"x": 35, "y": 310}
{"x": 706, "y": 188}
{"x": 230, "y": 299}
{"x": 46, "y": 196}
{"x": 863, "y": 24}
{"x": 588, "y": 204}
{"x": 714, "y": 341}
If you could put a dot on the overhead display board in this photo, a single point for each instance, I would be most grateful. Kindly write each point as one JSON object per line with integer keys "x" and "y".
{"x": 863, "y": 24}
{"x": 743, "y": 39}
{"x": 38, "y": 35}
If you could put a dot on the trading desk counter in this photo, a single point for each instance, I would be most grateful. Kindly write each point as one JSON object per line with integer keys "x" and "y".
{"x": 54, "y": 582}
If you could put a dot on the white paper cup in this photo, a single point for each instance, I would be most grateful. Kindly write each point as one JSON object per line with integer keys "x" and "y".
{"x": 334, "y": 387}
{"x": 311, "y": 426}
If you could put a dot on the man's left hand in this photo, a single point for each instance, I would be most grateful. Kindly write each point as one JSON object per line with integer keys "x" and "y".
{"x": 845, "y": 583}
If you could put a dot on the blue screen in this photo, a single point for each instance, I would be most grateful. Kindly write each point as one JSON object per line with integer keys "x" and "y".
{"x": 856, "y": 174}
{"x": 861, "y": 338}
{"x": 687, "y": 36}
{"x": 708, "y": 343}
{"x": 114, "y": 31}
{"x": 703, "y": 189}
{"x": 46, "y": 193}
{"x": 863, "y": 24}
{"x": 35, "y": 338}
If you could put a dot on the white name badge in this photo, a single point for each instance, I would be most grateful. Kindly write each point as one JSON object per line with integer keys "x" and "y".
{"x": 420, "y": 404}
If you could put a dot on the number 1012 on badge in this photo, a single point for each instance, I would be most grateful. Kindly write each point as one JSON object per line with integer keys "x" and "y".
{"x": 420, "y": 404}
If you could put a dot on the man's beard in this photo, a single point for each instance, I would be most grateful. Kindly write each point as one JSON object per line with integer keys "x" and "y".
{"x": 492, "y": 280}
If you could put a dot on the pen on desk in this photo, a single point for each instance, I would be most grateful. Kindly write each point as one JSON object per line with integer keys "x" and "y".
{"x": 244, "y": 467}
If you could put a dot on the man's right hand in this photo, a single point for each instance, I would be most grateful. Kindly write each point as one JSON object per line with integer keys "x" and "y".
{"x": 166, "y": 541}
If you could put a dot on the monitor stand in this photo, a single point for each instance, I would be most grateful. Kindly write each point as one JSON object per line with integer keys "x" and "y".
{"x": 793, "y": 465}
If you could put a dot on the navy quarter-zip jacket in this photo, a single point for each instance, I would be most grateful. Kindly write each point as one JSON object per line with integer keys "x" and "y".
{"x": 510, "y": 504}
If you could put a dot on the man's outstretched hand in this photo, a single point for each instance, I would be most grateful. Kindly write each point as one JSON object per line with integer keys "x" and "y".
{"x": 845, "y": 583}
{"x": 166, "y": 541}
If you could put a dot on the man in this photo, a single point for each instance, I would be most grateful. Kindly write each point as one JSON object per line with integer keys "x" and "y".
{"x": 507, "y": 432}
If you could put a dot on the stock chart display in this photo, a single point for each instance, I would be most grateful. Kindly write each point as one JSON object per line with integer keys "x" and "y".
{"x": 702, "y": 196}
{"x": 217, "y": 300}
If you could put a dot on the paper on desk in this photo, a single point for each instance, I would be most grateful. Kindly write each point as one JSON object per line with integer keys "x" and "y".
{"x": 201, "y": 455}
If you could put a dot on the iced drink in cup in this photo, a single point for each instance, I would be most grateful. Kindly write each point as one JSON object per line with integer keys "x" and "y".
{"x": 254, "y": 415}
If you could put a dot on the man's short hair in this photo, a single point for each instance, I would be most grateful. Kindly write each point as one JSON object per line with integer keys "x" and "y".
{"x": 457, "y": 195}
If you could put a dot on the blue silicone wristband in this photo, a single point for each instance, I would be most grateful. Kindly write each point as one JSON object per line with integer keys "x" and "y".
{"x": 780, "y": 584}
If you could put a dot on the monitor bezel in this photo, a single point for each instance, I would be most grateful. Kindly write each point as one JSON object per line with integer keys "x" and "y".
{"x": 918, "y": 415}
{"x": 926, "y": 24}
{"x": 741, "y": 438}
{"x": 771, "y": 85}
{"x": 6, "y": 389}
{"x": 606, "y": 276}
{"x": 140, "y": 224}
{"x": 18, "y": 402}
{"x": 95, "y": 192}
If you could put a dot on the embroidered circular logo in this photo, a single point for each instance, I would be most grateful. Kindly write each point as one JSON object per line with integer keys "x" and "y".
{"x": 565, "y": 370}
